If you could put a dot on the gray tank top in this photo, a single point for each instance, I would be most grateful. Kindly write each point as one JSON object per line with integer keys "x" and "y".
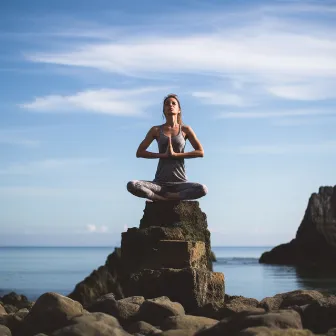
{"x": 171, "y": 170}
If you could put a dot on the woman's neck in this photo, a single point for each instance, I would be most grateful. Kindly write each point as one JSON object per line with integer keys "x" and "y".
{"x": 171, "y": 121}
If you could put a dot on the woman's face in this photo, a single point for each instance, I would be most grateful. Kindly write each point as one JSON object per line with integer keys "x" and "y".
{"x": 171, "y": 107}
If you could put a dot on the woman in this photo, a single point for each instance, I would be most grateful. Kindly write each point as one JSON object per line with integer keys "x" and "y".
{"x": 170, "y": 181}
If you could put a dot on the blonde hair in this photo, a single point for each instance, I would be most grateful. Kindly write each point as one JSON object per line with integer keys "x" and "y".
{"x": 173, "y": 95}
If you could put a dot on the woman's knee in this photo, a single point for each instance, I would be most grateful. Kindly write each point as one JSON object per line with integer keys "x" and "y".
{"x": 131, "y": 186}
{"x": 203, "y": 189}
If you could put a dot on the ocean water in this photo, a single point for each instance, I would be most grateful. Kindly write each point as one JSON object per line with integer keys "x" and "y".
{"x": 33, "y": 271}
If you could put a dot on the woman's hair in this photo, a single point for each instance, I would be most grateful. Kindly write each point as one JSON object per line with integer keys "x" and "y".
{"x": 173, "y": 95}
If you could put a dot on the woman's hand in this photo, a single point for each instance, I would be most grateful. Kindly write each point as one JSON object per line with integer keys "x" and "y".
{"x": 170, "y": 150}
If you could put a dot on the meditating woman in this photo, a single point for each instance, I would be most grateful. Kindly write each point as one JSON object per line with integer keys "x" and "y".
{"x": 170, "y": 182}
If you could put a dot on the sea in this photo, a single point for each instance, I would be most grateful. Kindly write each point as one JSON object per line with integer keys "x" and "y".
{"x": 33, "y": 271}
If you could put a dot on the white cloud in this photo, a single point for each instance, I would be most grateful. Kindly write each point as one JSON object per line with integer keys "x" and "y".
{"x": 36, "y": 167}
{"x": 92, "y": 228}
{"x": 272, "y": 45}
{"x": 106, "y": 101}
{"x": 307, "y": 91}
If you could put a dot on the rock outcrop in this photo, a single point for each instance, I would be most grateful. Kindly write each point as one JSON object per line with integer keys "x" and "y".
{"x": 315, "y": 241}
{"x": 168, "y": 255}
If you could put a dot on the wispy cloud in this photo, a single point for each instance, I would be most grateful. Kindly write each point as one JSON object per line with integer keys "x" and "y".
{"x": 47, "y": 165}
{"x": 107, "y": 101}
{"x": 306, "y": 91}
{"x": 92, "y": 228}
{"x": 280, "y": 48}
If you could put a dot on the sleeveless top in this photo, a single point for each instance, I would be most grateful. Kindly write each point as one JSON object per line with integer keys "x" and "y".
{"x": 171, "y": 170}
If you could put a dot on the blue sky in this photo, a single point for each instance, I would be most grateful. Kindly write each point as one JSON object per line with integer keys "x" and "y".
{"x": 82, "y": 82}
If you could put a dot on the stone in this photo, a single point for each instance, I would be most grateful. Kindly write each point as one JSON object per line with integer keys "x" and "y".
{"x": 290, "y": 299}
{"x": 50, "y": 311}
{"x": 154, "y": 311}
{"x": 143, "y": 328}
{"x": 2, "y": 310}
{"x": 124, "y": 310}
{"x": 16, "y": 300}
{"x": 4, "y": 331}
{"x": 192, "y": 287}
{"x": 264, "y": 331}
{"x": 281, "y": 319}
{"x": 188, "y": 322}
{"x": 320, "y": 316}
{"x": 315, "y": 241}
{"x": 92, "y": 324}
{"x": 178, "y": 332}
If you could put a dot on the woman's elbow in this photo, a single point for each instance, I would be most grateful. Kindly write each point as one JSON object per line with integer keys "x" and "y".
{"x": 201, "y": 153}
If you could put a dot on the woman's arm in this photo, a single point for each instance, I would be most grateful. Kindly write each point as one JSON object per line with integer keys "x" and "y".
{"x": 142, "y": 149}
{"x": 198, "y": 149}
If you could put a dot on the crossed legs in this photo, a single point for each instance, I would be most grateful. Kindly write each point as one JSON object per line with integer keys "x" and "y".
{"x": 157, "y": 192}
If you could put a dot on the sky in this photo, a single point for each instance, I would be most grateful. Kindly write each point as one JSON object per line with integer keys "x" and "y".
{"x": 82, "y": 82}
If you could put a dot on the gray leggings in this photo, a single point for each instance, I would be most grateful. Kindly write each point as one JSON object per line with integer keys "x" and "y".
{"x": 148, "y": 189}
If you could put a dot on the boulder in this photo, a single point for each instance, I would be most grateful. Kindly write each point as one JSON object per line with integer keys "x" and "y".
{"x": 178, "y": 332}
{"x": 315, "y": 241}
{"x": 51, "y": 311}
{"x": 143, "y": 328}
{"x": 291, "y": 299}
{"x": 2, "y": 310}
{"x": 281, "y": 319}
{"x": 320, "y": 316}
{"x": 124, "y": 310}
{"x": 16, "y": 300}
{"x": 154, "y": 311}
{"x": 92, "y": 324}
{"x": 4, "y": 331}
{"x": 264, "y": 331}
{"x": 188, "y": 322}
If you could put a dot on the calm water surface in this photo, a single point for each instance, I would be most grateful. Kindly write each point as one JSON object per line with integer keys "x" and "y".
{"x": 36, "y": 270}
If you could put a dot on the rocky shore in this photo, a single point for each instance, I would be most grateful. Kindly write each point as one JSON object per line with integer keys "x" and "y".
{"x": 301, "y": 312}
{"x": 160, "y": 282}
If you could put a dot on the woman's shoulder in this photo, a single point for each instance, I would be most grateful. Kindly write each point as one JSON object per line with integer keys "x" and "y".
{"x": 155, "y": 130}
{"x": 185, "y": 128}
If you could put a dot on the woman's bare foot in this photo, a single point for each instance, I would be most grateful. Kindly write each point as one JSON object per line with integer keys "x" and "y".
{"x": 172, "y": 196}
{"x": 157, "y": 197}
